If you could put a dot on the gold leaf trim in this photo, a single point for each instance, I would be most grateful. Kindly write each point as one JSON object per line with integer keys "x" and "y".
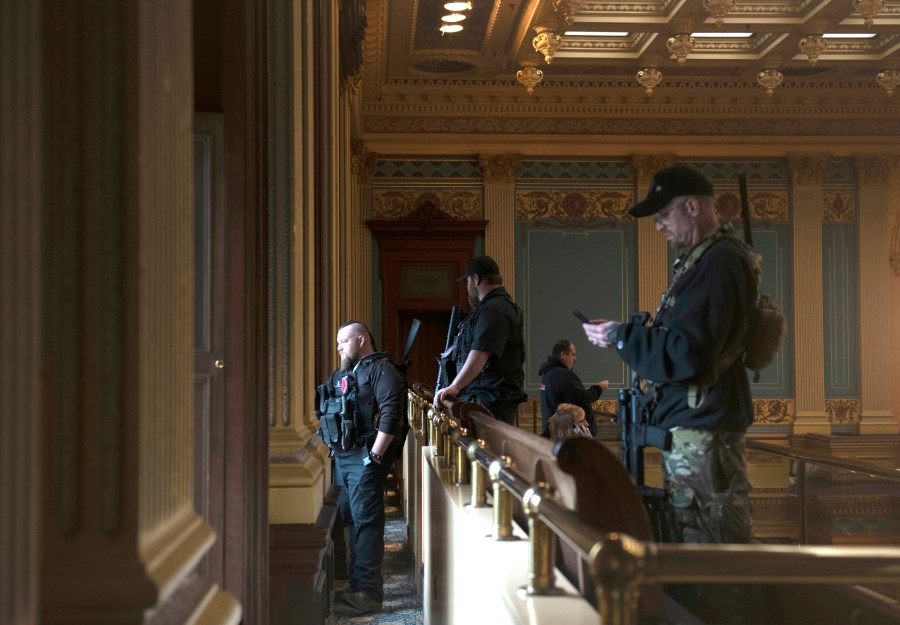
{"x": 573, "y": 206}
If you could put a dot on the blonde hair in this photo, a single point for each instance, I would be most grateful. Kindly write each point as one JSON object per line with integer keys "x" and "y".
{"x": 561, "y": 424}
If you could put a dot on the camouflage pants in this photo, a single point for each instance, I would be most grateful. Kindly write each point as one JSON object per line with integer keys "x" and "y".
{"x": 708, "y": 501}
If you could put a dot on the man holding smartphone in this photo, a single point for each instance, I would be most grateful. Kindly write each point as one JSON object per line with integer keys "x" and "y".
{"x": 700, "y": 390}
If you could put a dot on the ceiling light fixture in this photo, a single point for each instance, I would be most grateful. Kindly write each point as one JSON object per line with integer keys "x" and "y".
{"x": 680, "y": 44}
{"x": 452, "y": 18}
{"x": 718, "y": 9}
{"x": 812, "y": 46}
{"x": 889, "y": 79}
{"x": 529, "y": 75}
{"x": 868, "y": 9}
{"x": 547, "y": 41}
{"x": 450, "y": 28}
{"x": 568, "y": 8}
{"x": 458, "y": 6}
{"x": 648, "y": 78}
{"x": 770, "y": 78}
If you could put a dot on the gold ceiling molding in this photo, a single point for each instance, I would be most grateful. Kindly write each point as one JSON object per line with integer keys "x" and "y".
{"x": 840, "y": 206}
{"x": 771, "y": 206}
{"x": 842, "y": 410}
{"x": 573, "y": 206}
{"x": 774, "y": 411}
{"x": 456, "y": 203}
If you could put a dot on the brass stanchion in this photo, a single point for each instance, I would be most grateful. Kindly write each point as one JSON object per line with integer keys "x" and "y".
{"x": 479, "y": 476}
{"x": 617, "y": 564}
{"x": 448, "y": 441}
{"x": 437, "y": 438}
{"x": 462, "y": 466}
{"x": 541, "y": 577}
{"x": 503, "y": 502}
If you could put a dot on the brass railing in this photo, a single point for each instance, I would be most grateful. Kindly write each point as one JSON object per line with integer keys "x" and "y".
{"x": 803, "y": 457}
{"x": 619, "y": 564}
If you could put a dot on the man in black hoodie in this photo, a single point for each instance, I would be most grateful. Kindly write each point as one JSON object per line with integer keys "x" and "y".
{"x": 561, "y": 385}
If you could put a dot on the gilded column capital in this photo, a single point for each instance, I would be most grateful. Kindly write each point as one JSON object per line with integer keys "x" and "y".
{"x": 500, "y": 169}
{"x": 807, "y": 171}
{"x": 874, "y": 171}
{"x": 362, "y": 162}
{"x": 646, "y": 166}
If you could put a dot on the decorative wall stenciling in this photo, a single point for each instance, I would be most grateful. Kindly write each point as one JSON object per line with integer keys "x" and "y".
{"x": 573, "y": 208}
{"x": 608, "y": 406}
{"x": 569, "y": 170}
{"x": 773, "y": 411}
{"x": 840, "y": 206}
{"x": 842, "y": 410}
{"x": 764, "y": 205}
{"x": 427, "y": 169}
{"x": 455, "y": 203}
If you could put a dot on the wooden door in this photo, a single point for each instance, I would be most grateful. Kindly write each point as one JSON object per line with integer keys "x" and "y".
{"x": 209, "y": 334}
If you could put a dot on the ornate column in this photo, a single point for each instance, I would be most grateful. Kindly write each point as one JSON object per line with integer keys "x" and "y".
{"x": 500, "y": 211}
{"x": 359, "y": 209}
{"x": 653, "y": 270}
{"x": 808, "y": 322}
{"x": 873, "y": 173}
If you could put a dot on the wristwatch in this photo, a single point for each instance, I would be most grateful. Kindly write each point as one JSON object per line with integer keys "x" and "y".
{"x": 373, "y": 457}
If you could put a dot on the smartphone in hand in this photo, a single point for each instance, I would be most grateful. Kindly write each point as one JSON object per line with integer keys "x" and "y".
{"x": 581, "y": 316}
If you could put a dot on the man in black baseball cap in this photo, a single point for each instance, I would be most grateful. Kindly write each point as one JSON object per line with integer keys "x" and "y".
{"x": 690, "y": 351}
{"x": 489, "y": 351}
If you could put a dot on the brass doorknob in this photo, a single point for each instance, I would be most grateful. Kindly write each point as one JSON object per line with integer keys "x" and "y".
{"x": 220, "y": 364}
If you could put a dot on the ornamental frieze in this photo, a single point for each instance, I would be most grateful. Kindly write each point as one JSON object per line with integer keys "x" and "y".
{"x": 608, "y": 407}
{"x": 455, "y": 203}
{"x": 840, "y": 206}
{"x": 842, "y": 410}
{"x": 769, "y": 206}
{"x": 573, "y": 207}
{"x": 773, "y": 411}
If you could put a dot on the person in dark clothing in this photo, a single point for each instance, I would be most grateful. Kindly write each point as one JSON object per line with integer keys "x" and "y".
{"x": 490, "y": 349}
{"x": 373, "y": 395}
{"x": 560, "y": 384}
{"x": 689, "y": 355}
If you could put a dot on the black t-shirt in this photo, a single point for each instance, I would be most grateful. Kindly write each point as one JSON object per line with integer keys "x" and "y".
{"x": 495, "y": 326}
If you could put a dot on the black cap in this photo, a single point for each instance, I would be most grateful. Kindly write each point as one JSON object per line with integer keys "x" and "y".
{"x": 483, "y": 266}
{"x": 669, "y": 183}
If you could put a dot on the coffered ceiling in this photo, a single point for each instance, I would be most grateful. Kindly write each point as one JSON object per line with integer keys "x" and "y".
{"x": 412, "y": 69}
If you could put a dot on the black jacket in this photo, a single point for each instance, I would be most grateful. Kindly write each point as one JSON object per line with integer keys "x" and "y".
{"x": 708, "y": 310}
{"x": 560, "y": 385}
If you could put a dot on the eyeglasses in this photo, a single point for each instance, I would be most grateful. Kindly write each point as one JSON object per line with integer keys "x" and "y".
{"x": 663, "y": 215}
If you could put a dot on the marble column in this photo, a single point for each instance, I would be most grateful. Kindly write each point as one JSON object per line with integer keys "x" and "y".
{"x": 500, "y": 211}
{"x": 652, "y": 259}
{"x": 873, "y": 174}
{"x": 808, "y": 319}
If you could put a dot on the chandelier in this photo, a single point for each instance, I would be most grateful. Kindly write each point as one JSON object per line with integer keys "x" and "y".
{"x": 868, "y": 9}
{"x": 529, "y": 75}
{"x": 680, "y": 44}
{"x": 547, "y": 40}
{"x": 718, "y": 9}
{"x": 889, "y": 79}
{"x": 649, "y": 77}
{"x": 812, "y": 46}
{"x": 769, "y": 78}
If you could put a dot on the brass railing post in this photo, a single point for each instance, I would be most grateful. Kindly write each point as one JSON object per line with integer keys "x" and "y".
{"x": 462, "y": 465}
{"x": 479, "y": 476}
{"x": 437, "y": 439}
{"x": 541, "y": 577}
{"x": 447, "y": 444}
{"x": 503, "y": 502}
{"x": 617, "y": 563}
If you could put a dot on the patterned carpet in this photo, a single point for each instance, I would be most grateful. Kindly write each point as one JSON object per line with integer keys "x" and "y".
{"x": 401, "y": 603}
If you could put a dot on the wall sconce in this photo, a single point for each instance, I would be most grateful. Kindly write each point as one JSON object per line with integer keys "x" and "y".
{"x": 718, "y": 9}
{"x": 770, "y": 78}
{"x": 812, "y": 46}
{"x": 868, "y": 9}
{"x": 680, "y": 44}
{"x": 889, "y": 79}
{"x": 529, "y": 75}
{"x": 547, "y": 40}
{"x": 648, "y": 78}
